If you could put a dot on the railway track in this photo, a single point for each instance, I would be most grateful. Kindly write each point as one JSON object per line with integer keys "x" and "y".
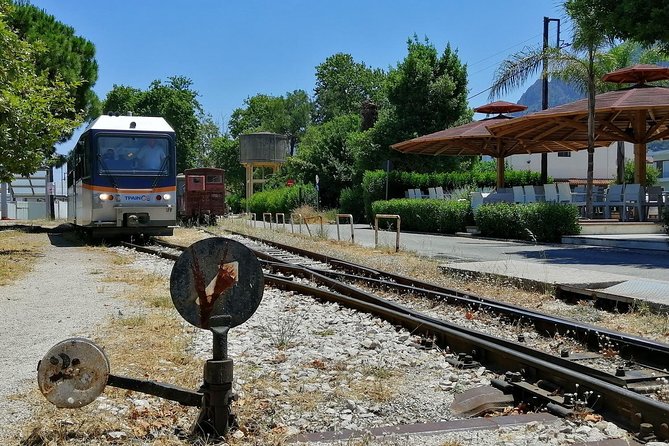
{"x": 561, "y": 383}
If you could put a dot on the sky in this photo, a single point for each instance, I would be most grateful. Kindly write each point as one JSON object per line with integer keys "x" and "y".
{"x": 232, "y": 50}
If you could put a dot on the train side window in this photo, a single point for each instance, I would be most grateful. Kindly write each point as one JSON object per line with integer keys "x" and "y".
{"x": 214, "y": 179}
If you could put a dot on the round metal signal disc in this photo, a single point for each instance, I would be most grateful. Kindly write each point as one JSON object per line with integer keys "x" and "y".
{"x": 73, "y": 373}
{"x": 216, "y": 277}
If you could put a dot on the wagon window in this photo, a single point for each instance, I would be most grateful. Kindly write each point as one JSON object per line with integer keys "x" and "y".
{"x": 214, "y": 179}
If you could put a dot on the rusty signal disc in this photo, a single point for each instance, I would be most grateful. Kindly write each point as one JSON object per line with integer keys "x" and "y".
{"x": 215, "y": 277}
{"x": 73, "y": 373}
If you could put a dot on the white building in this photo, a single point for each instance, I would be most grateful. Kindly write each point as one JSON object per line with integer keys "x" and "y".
{"x": 573, "y": 166}
{"x": 28, "y": 198}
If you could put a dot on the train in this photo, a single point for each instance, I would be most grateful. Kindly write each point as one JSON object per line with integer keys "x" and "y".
{"x": 201, "y": 195}
{"x": 121, "y": 178}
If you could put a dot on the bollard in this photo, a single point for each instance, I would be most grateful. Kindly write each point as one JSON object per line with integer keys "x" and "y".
{"x": 376, "y": 229}
{"x": 350, "y": 217}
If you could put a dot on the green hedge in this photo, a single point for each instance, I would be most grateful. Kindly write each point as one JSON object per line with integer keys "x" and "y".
{"x": 665, "y": 219}
{"x": 443, "y": 216}
{"x": 541, "y": 222}
{"x": 374, "y": 183}
{"x": 282, "y": 200}
{"x": 351, "y": 202}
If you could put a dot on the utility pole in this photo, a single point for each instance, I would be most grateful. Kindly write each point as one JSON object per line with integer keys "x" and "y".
{"x": 544, "y": 89}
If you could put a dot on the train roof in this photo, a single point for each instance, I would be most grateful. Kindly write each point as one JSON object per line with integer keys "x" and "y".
{"x": 141, "y": 124}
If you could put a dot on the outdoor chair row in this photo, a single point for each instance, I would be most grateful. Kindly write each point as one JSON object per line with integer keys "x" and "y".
{"x": 631, "y": 201}
{"x": 433, "y": 192}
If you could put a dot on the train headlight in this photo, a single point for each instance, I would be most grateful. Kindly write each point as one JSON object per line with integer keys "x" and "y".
{"x": 106, "y": 197}
{"x": 167, "y": 196}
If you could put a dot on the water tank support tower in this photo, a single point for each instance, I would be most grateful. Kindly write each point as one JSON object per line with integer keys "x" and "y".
{"x": 260, "y": 151}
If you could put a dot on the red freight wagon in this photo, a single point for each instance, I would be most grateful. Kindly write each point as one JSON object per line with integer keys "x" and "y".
{"x": 202, "y": 194}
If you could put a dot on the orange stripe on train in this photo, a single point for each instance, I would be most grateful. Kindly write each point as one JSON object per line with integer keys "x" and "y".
{"x": 129, "y": 191}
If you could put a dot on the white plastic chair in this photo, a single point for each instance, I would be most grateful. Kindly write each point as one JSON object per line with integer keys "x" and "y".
{"x": 613, "y": 199}
{"x": 432, "y": 192}
{"x": 653, "y": 199}
{"x": 550, "y": 193}
{"x": 530, "y": 195}
{"x": 564, "y": 193}
{"x": 440, "y": 192}
{"x": 632, "y": 201}
{"x": 476, "y": 200}
{"x": 518, "y": 194}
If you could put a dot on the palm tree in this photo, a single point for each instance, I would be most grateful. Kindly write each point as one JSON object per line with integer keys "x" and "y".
{"x": 567, "y": 64}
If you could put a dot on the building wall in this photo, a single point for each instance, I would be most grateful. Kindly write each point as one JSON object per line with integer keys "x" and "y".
{"x": 574, "y": 166}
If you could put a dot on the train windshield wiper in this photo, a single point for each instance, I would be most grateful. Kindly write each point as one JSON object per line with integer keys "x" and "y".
{"x": 104, "y": 166}
{"x": 162, "y": 170}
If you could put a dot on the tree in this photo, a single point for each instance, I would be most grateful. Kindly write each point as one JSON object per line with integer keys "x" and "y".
{"x": 65, "y": 55}
{"x": 343, "y": 85}
{"x": 225, "y": 155}
{"x": 426, "y": 93}
{"x": 324, "y": 152}
{"x": 122, "y": 100}
{"x": 644, "y": 21}
{"x": 208, "y": 132}
{"x": 175, "y": 101}
{"x": 35, "y": 111}
{"x": 589, "y": 37}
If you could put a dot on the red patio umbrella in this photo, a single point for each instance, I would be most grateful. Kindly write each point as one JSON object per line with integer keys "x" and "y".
{"x": 475, "y": 139}
{"x": 637, "y": 74}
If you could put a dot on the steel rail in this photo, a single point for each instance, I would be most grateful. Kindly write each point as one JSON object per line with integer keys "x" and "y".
{"x": 646, "y": 352}
{"x": 651, "y": 353}
{"x": 618, "y": 404}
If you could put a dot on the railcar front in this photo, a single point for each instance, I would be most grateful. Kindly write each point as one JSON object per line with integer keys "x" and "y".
{"x": 123, "y": 181}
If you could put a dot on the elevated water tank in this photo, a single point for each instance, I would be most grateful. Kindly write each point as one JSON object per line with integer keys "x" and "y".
{"x": 257, "y": 148}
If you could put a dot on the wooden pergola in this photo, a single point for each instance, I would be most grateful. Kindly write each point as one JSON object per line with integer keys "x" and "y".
{"x": 639, "y": 115}
{"x": 475, "y": 139}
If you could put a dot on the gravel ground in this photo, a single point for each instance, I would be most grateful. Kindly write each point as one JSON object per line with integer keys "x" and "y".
{"x": 62, "y": 297}
{"x": 319, "y": 367}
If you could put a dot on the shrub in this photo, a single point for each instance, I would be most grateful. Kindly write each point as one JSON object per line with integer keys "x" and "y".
{"x": 665, "y": 219}
{"x": 443, "y": 216}
{"x": 374, "y": 182}
{"x": 283, "y": 200}
{"x": 236, "y": 203}
{"x": 541, "y": 222}
{"x": 351, "y": 202}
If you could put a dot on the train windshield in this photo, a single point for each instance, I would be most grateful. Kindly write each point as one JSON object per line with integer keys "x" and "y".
{"x": 133, "y": 155}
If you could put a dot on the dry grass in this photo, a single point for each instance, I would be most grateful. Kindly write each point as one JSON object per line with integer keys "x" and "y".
{"x": 18, "y": 253}
{"x": 148, "y": 345}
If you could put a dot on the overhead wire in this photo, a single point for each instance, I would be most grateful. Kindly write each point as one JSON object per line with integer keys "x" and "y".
{"x": 498, "y": 62}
